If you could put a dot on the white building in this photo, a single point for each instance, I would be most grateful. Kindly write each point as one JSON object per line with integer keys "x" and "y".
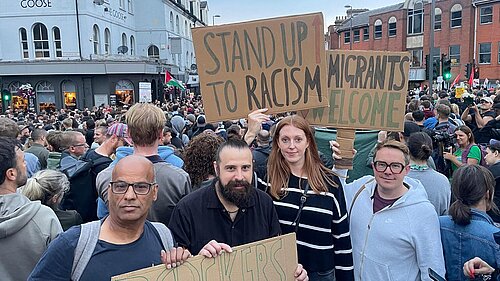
{"x": 80, "y": 53}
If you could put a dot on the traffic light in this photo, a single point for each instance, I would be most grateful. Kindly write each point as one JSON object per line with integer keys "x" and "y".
{"x": 446, "y": 69}
{"x": 467, "y": 70}
{"x": 6, "y": 96}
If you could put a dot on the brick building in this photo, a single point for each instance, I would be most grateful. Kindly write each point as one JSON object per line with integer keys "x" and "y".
{"x": 466, "y": 31}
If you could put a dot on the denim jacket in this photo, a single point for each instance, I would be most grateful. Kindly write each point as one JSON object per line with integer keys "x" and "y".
{"x": 462, "y": 243}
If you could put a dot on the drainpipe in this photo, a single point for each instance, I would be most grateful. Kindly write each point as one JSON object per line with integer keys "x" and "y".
{"x": 78, "y": 31}
{"x": 475, "y": 34}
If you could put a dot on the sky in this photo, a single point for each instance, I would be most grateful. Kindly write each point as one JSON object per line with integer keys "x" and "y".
{"x": 232, "y": 11}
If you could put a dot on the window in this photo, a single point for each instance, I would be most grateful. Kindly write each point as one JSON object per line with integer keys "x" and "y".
{"x": 437, "y": 54}
{"x": 153, "y": 52}
{"x": 415, "y": 19}
{"x": 356, "y": 35}
{"x": 485, "y": 53}
{"x": 130, "y": 6}
{"x": 124, "y": 39}
{"x": 57, "y": 42}
{"x": 437, "y": 19}
{"x": 24, "y": 43}
{"x": 347, "y": 37}
{"x": 486, "y": 14}
{"x": 186, "y": 28}
{"x": 171, "y": 22}
{"x": 122, "y": 4}
{"x": 177, "y": 28}
{"x": 454, "y": 54}
{"x": 416, "y": 57}
{"x": 95, "y": 39}
{"x": 377, "y": 31}
{"x": 456, "y": 15}
{"x": 132, "y": 45}
{"x": 366, "y": 33}
{"x": 392, "y": 28}
{"x": 107, "y": 41}
{"x": 41, "y": 41}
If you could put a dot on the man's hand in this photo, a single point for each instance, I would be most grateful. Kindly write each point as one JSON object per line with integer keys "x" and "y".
{"x": 301, "y": 274}
{"x": 255, "y": 119}
{"x": 175, "y": 257}
{"x": 477, "y": 266}
{"x": 336, "y": 150}
{"x": 214, "y": 249}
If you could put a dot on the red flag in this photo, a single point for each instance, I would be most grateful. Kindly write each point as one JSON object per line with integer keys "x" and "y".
{"x": 455, "y": 81}
{"x": 471, "y": 77}
{"x": 168, "y": 77}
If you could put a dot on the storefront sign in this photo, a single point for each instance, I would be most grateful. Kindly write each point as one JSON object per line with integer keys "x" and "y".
{"x": 27, "y": 4}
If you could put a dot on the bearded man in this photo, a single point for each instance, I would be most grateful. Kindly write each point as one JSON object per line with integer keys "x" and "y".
{"x": 230, "y": 210}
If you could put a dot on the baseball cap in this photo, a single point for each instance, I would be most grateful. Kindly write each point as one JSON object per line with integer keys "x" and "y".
{"x": 201, "y": 122}
{"x": 120, "y": 130}
{"x": 487, "y": 99}
{"x": 494, "y": 144}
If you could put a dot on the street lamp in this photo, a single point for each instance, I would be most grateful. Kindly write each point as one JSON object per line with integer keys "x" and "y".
{"x": 213, "y": 18}
{"x": 350, "y": 29}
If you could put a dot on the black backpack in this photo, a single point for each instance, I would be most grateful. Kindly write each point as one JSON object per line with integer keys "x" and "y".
{"x": 82, "y": 194}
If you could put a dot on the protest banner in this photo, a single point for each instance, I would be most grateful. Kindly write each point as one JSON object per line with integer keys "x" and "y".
{"x": 277, "y": 63}
{"x": 366, "y": 90}
{"x": 270, "y": 259}
{"x": 145, "y": 92}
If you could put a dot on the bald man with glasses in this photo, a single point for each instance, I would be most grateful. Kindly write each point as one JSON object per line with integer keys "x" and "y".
{"x": 123, "y": 241}
{"x": 394, "y": 228}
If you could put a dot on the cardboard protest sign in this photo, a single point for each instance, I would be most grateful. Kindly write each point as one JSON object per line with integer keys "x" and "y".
{"x": 274, "y": 63}
{"x": 366, "y": 90}
{"x": 270, "y": 259}
{"x": 459, "y": 91}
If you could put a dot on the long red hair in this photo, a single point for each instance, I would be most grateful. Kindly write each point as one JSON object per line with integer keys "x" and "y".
{"x": 319, "y": 177}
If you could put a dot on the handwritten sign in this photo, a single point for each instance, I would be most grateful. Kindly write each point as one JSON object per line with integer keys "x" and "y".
{"x": 270, "y": 259}
{"x": 275, "y": 63}
{"x": 366, "y": 90}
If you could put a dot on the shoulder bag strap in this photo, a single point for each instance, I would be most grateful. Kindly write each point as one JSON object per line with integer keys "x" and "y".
{"x": 357, "y": 194}
{"x": 89, "y": 235}
{"x": 165, "y": 235}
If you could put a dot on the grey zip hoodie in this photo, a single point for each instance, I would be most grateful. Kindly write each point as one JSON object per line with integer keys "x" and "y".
{"x": 26, "y": 229}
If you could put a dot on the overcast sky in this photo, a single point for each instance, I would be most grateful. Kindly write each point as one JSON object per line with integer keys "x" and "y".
{"x": 244, "y": 10}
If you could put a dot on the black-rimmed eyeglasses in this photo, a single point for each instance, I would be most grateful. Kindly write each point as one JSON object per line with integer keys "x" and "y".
{"x": 395, "y": 167}
{"x": 140, "y": 188}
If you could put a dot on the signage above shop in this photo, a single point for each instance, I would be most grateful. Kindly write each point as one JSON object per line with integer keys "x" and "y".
{"x": 28, "y": 4}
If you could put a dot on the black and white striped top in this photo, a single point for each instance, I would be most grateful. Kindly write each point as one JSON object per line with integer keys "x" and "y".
{"x": 323, "y": 238}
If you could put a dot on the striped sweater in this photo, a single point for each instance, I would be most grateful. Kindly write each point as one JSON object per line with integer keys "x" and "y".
{"x": 323, "y": 238}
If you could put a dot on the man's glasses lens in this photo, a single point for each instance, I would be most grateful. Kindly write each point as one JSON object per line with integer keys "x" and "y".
{"x": 141, "y": 188}
{"x": 395, "y": 167}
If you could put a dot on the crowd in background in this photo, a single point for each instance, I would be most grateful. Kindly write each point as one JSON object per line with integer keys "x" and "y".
{"x": 436, "y": 182}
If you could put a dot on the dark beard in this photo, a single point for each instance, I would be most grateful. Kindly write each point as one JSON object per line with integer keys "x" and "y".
{"x": 239, "y": 198}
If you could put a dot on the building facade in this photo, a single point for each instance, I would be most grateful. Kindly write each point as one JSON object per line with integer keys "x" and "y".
{"x": 83, "y": 53}
{"x": 465, "y": 31}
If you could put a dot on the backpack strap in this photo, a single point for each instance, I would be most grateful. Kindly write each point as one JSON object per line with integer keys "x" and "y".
{"x": 89, "y": 235}
{"x": 357, "y": 194}
{"x": 165, "y": 235}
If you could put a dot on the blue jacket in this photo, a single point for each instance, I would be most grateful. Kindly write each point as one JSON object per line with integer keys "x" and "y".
{"x": 462, "y": 243}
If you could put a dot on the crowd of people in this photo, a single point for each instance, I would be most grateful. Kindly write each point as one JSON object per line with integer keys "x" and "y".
{"x": 156, "y": 184}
